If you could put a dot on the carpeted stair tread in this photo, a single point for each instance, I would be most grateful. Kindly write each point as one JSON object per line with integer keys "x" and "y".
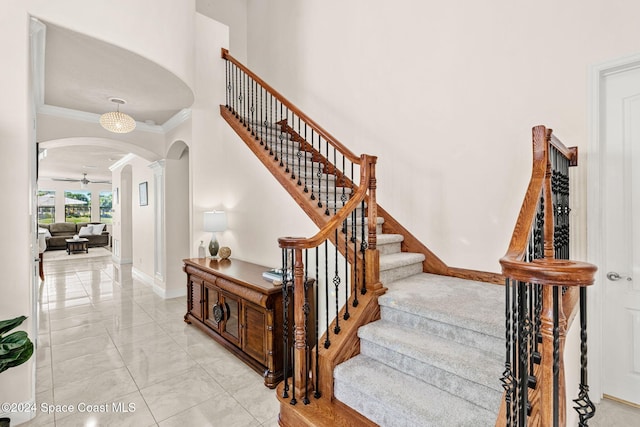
{"x": 465, "y": 303}
{"x": 400, "y": 259}
{"x": 457, "y": 359}
{"x": 392, "y": 398}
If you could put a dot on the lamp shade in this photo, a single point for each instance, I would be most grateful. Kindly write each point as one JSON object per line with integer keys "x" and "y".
{"x": 215, "y": 221}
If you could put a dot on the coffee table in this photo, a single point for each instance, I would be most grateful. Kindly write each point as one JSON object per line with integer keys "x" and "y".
{"x": 77, "y": 245}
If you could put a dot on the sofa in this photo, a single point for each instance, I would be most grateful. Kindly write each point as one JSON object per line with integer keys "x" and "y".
{"x": 58, "y": 232}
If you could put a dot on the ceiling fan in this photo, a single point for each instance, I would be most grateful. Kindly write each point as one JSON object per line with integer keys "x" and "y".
{"x": 83, "y": 181}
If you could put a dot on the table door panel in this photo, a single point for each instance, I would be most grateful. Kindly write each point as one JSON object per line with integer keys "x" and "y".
{"x": 231, "y": 326}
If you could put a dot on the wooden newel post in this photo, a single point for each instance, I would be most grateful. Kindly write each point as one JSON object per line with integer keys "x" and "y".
{"x": 371, "y": 254}
{"x": 546, "y": 382}
{"x": 301, "y": 371}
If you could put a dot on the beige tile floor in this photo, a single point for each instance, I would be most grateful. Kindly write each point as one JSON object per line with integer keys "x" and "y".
{"x": 107, "y": 339}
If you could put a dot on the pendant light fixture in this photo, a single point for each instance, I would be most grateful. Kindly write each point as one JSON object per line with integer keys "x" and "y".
{"x": 115, "y": 121}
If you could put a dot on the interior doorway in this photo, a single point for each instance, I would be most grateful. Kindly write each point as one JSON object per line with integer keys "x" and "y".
{"x": 614, "y": 224}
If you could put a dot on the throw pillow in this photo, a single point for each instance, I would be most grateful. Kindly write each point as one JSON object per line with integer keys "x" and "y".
{"x": 97, "y": 229}
{"x": 86, "y": 231}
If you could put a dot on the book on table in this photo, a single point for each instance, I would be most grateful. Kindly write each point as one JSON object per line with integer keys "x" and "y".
{"x": 272, "y": 275}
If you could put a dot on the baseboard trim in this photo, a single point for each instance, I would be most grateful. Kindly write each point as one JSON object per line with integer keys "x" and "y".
{"x": 158, "y": 289}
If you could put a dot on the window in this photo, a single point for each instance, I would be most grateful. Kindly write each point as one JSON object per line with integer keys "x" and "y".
{"x": 46, "y": 207}
{"x": 106, "y": 210}
{"x": 77, "y": 206}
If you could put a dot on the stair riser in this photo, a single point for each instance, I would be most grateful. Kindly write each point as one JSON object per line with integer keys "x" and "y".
{"x": 452, "y": 332}
{"x": 375, "y": 410}
{"x": 475, "y": 393}
{"x": 359, "y": 229}
{"x": 393, "y": 274}
{"x": 389, "y": 248}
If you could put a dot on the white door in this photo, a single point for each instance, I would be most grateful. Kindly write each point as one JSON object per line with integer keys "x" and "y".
{"x": 620, "y": 147}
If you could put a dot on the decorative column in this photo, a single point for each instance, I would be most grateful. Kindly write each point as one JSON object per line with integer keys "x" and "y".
{"x": 160, "y": 252}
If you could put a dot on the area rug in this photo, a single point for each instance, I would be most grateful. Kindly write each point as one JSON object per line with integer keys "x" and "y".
{"x": 61, "y": 255}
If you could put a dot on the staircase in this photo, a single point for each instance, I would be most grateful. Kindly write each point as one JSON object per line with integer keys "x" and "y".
{"x": 435, "y": 355}
{"x": 432, "y": 358}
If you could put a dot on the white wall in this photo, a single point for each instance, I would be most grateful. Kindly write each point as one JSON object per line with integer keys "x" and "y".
{"x": 177, "y": 224}
{"x": 233, "y": 14}
{"x": 445, "y": 93}
{"x": 143, "y": 219}
{"x": 16, "y": 145}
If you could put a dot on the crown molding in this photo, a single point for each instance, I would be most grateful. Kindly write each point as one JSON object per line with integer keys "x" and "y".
{"x": 84, "y": 116}
{"x": 177, "y": 119}
{"x": 123, "y": 161}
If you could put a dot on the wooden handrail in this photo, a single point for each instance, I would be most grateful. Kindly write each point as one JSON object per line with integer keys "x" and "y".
{"x": 326, "y": 135}
{"x": 520, "y": 235}
{"x": 570, "y": 153}
{"x": 366, "y": 162}
{"x": 557, "y": 272}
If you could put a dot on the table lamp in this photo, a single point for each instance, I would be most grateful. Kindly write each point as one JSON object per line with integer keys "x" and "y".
{"x": 214, "y": 221}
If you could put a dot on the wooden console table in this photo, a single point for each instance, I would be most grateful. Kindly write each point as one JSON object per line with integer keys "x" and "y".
{"x": 231, "y": 301}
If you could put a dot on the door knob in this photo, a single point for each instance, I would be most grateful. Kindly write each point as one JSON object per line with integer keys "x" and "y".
{"x": 613, "y": 276}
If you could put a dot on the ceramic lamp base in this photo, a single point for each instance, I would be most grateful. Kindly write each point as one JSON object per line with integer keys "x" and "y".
{"x": 214, "y": 247}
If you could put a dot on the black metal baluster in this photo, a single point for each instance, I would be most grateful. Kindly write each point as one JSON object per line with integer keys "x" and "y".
{"x": 306, "y": 156}
{"x": 354, "y": 240}
{"x": 531, "y": 338}
{"x": 327, "y": 341}
{"x": 523, "y": 352}
{"x": 235, "y": 90}
{"x": 261, "y": 118}
{"x": 246, "y": 100}
{"x": 306, "y": 308}
{"x": 270, "y": 130}
{"x": 537, "y": 357}
{"x": 227, "y": 85}
{"x": 250, "y": 106}
{"x": 321, "y": 169}
{"x": 346, "y": 271}
{"x": 326, "y": 197}
{"x": 515, "y": 401}
{"x": 507, "y": 376}
{"x": 336, "y": 285}
{"x": 300, "y": 153}
{"x": 280, "y": 138}
{"x": 585, "y": 408}
{"x": 240, "y": 98}
{"x": 313, "y": 196}
{"x": 317, "y": 393}
{"x": 285, "y": 141}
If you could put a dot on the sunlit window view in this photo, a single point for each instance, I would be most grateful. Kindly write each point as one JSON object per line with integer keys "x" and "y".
{"x": 77, "y": 206}
{"x": 46, "y": 207}
{"x": 106, "y": 207}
